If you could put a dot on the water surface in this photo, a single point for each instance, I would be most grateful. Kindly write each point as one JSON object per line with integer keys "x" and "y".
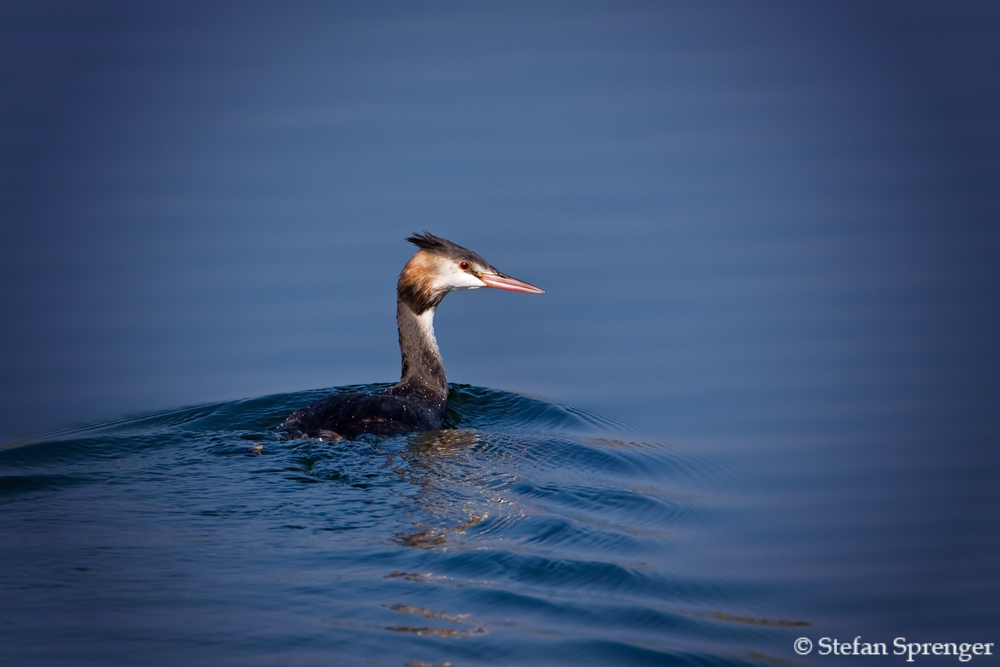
{"x": 524, "y": 532}
{"x": 768, "y": 238}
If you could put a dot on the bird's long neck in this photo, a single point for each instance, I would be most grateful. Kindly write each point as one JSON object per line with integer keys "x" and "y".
{"x": 423, "y": 370}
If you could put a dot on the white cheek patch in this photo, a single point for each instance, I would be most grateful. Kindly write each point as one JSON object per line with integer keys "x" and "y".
{"x": 450, "y": 277}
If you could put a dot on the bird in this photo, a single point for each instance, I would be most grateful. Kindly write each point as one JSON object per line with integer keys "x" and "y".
{"x": 418, "y": 402}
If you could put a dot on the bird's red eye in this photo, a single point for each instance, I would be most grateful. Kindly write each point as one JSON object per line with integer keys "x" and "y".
{"x": 464, "y": 266}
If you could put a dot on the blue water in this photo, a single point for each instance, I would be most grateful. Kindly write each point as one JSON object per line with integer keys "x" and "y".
{"x": 524, "y": 532}
{"x": 758, "y": 401}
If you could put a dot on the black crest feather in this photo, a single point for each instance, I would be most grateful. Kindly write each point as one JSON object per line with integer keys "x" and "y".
{"x": 428, "y": 241}
{"x": 437, "y": 245}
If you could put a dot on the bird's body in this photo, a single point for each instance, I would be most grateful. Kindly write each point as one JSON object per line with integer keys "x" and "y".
{"x": 419, "y": 400}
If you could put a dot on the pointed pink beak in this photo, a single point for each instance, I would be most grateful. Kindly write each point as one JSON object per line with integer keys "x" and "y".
{"x": 501, "y": 281}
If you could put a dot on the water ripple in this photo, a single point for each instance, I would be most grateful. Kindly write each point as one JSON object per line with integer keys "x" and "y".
{"x": 521, "y": 523}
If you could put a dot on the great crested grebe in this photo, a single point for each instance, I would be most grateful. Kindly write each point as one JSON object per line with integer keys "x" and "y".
{"x": 419, "y": 400}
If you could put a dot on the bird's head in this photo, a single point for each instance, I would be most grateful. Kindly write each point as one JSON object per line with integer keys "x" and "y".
{"x": 441, "y": 266}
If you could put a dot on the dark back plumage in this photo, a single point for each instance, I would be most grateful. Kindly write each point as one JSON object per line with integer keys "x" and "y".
{"x": 349, "y": 415}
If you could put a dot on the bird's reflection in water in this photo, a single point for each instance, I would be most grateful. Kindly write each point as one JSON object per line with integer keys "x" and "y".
{"x": 454, "y": 490}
